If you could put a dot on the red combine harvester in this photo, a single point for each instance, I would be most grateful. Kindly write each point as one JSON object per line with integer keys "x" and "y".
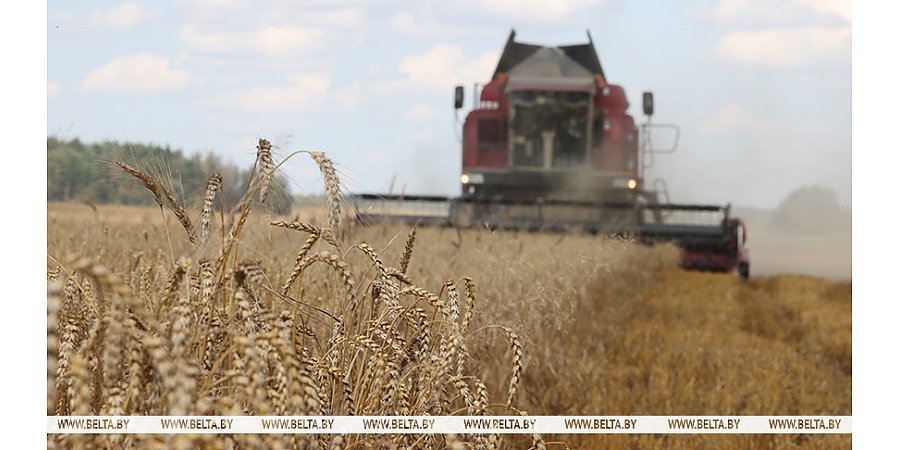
{"x": 550, "y": 146}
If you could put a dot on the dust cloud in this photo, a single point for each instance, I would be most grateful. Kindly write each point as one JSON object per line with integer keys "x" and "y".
{"x": 808, "y": 234}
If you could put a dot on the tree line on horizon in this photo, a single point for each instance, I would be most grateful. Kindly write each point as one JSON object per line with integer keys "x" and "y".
{"x": 85, "y": 172}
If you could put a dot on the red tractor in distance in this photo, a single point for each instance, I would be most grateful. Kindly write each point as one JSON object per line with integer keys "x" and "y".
{"x": 549, "y": 145}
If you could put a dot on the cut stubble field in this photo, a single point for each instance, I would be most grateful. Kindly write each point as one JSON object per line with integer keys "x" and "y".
{"x": 284, "y": 317}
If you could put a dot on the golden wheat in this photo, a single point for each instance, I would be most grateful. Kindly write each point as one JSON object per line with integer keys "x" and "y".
{"x": 213, "y": 184}
{"x": 132, "y": 332}
{"x": 266, "y": 319}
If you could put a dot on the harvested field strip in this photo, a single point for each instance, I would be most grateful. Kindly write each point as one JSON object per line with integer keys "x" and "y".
{"x": 707, "y": 344}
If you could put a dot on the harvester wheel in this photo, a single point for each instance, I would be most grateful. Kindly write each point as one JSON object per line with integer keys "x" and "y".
{"x": 744, "y": 270}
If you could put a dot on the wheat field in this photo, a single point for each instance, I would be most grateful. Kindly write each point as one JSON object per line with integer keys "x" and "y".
{"x": 192, "y": 310}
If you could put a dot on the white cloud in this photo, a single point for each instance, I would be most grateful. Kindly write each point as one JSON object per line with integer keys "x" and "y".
{"x": 421, "y": 112}
{"x": 216, "y": 4}
{"x": 249, "y": 13}
{"x": 302, "y": 92}
{"x": 529, "y": 10}
{"x": 143, "y": 73}
{"x": 731, "y": 11}
{"x": 770, "y": 12}
{"x": 784, "y": 33}
{"x": 839, "y": 8}
{"x": 439, "y": 69}
{"x": 282, "y": 41}
{"x": 407, "y": 23}
{"x": 53, "y": 89}
{"x": 124, "y": 15}
{"x": 249, "y": 4}
{"x": 308, "y": 92}
{"x": 787, "y": 47}
{"x": 343, "y": 18}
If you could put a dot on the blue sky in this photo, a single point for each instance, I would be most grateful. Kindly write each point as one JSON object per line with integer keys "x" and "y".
{"x": 760, "y": 88}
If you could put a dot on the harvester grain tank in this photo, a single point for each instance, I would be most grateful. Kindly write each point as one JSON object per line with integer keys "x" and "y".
{"x": 549, "y": 145}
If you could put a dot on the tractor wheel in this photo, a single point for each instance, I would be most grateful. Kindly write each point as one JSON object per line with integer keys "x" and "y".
{"x": 744, "y": 270}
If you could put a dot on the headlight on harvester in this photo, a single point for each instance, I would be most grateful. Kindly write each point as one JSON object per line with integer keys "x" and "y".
{"x": 622, "y": 183}
{"x": 473, "y": 178}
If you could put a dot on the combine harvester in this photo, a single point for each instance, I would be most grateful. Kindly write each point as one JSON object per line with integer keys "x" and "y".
{"x": 550, "y": 146}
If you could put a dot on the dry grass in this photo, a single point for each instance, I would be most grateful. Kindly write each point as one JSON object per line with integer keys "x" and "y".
{"x": 280, "y": 316}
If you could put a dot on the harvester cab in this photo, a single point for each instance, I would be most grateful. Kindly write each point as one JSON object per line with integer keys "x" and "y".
{"x": 548, "y": 125}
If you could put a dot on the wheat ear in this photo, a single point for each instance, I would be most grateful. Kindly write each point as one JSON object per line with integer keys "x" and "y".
{"x": 407, "y": 250}
{"x": 149, "y": 182}
{"x": 179, "y": 212}
{"x": 516, "y": 346}
{"x": 266, "y": 167}
{"x": 212, "y": 186}
{"x": 332, "y": 191}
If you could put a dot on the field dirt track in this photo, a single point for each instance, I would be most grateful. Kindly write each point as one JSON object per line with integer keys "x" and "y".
{"x": 607, "y": 327}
